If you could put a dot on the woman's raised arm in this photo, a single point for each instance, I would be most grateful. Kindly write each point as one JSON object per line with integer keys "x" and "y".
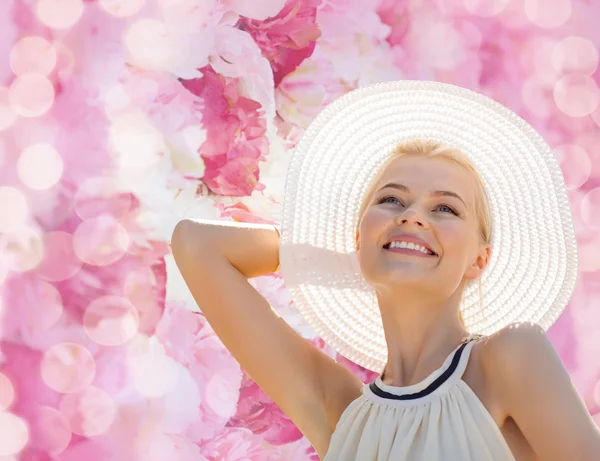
{"x": 216, "y": 259}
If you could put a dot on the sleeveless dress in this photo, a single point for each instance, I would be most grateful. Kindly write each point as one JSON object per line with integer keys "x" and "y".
{"x": 438, "y": 419}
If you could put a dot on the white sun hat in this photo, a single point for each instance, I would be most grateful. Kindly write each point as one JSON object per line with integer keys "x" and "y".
{"x": 532, "y": 271}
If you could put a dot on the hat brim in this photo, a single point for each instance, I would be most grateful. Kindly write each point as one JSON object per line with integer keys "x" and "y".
{"x": 532, "y": 271}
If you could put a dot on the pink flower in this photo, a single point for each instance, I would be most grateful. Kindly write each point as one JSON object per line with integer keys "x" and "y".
{"x": 240, "y": 213}
{"x": 236, "y": 135}
{"x": 394, "y": 14}
{"x": 9, "y": 30}
{"x": 288, "y": 38}
{"x": 353, "y": 42}
{"x": 300, "y": 450}
{"x": 236, "y": 55}
{"x": 161, "y": 96}
{"x": 257, "y": 412}
{"x": 258, "y": 9}
{"x": 303, "y": 94}
{"x": 236, "y": 444}
{"x": 161, "y": 447}
{"x": 189, "y": 339}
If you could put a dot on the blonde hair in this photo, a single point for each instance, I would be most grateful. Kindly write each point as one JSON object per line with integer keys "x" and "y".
{"x": 431, "y": 148}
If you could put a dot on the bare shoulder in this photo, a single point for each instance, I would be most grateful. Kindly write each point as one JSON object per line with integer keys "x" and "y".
{"x": 534, "y": 389}
{"x": 516, "y": 345}
{"x": 502, "y": 357}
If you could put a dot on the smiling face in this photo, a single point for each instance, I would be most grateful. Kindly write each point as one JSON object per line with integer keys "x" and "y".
{"x": 431, "y": 200}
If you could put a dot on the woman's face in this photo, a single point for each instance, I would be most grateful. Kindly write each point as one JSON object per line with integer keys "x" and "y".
{"x": 430, "y": 199}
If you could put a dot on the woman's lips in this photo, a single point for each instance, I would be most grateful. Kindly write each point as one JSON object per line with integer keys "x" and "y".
{"x": 409, "y": 252}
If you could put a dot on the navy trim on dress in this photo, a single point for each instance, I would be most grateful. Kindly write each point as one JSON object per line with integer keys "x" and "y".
{"x": 429, "y": 389}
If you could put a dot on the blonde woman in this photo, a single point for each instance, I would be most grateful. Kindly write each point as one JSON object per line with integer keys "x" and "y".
{"x": 427, "y": 236}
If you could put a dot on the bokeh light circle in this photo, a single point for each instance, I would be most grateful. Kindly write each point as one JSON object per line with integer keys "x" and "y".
{"x": 588, "y": 248}
{"x": 101, "y": 196}
{"x": 146, "y": 41}
{"x": 32, "y": 54}
{"x": 122, "y": 8}
{"x": 31, "y": 95}
{"x": 577, "y": 95}
{"x": 14, "y": 434}
{"x": 152, "y": 372}
{"x": 3, "y": 274}
{"x": 548, "y": 15}
{"x": 575, "y": 164}
{"x": 14, "y": 210}
{"x": 31, "y": 131}
{"x": 536, "y": 57}
{"x": 537, "y": 97}
{"x": 100, "y": 241}
{"x": 3, "y": 152}
{"x": 590, "y": 209}
{"x": 485, "y": 8}
{"x": 137, "y": 142}
{"x": 596, "y": 115}
{"x": 89, "y": 412}
{"x": 48, "y": 306}
{"x": 65, "y": 61}
{"x": 59, "y": 14}
{"x": 597, "y": 393}
{"x": 116, "y": 101}
{"x": 7, "y": 114}
{"x": 139, "y": 289}
{"x": 218, "y": 391}
{"x": 68, "y": 367}
{"x": 51, "y": 431}
{"x": 40, "y": 167}
{"x": 7, "y": 392}
{"x": 575, "y": 54}
{"x": 160, "y": 446}
{"x": 111, "y": 320}
{"x": 59, "y": 261}
{"x": 590, "y": 141}
{"x": 22, "y": 250}
{"x": 442, "y": 47}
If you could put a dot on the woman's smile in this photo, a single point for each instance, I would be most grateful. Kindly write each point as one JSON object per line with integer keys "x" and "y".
{"x": 409, "y": 251}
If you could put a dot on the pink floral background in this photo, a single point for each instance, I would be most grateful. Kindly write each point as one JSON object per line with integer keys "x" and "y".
{"x": 120, "y": 117}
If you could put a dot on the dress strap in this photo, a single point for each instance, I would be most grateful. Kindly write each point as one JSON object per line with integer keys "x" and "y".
{"x": 463, "y": 360}
{"x": 450, "y": 372}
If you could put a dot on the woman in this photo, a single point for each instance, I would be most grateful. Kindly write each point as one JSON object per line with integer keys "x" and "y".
{"x": 415, "y": 215}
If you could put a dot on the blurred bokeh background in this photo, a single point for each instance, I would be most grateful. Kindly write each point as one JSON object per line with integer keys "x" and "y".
{"x": 120, "y": 117}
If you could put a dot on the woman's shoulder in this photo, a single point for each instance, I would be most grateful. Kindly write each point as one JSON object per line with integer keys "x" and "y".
{"x": 515, "y": 343}
{"x": 506, "y": 355}
{"x": 486, "y": 373}
{"x": 512, "y": 347}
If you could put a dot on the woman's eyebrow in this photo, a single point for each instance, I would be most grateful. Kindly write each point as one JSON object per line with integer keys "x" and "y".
{"x": 440, "y": 193}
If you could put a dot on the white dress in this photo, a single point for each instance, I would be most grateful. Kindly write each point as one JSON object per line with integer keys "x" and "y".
{"x": 438, "y": 419}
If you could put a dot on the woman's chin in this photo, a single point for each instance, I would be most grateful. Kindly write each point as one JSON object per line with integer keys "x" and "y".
{"x": 403, "y": 277}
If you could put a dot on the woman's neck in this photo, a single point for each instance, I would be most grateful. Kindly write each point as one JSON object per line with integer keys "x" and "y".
{"x": 420, "y": 334}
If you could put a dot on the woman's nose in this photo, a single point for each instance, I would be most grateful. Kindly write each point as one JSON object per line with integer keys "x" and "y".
{"x": 412, "y": 216}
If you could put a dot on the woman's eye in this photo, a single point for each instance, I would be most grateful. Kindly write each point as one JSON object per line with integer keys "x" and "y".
{"x": 388, "y": 199}
{"x": 392, "y": 199}
{"x": 447, "y": 208}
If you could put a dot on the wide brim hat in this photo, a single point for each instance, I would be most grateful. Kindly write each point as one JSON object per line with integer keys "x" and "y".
{"x": 532, "y": 270}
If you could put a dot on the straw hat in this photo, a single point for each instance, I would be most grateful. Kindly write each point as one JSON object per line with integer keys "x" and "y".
{"x": 533, "y": 267}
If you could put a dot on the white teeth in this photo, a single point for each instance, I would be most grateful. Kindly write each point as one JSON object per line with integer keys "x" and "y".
{"x": 410, "y": 246}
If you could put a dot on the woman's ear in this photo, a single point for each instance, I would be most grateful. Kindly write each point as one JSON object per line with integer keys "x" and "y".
{"x": 357, "y": 241}
{"x": 480, "y": 263}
